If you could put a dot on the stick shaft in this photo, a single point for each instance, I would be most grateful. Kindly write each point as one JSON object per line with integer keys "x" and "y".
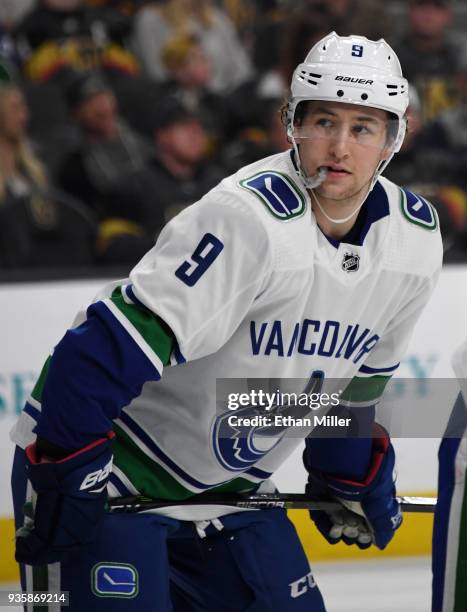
{"x": 288, "y": 501}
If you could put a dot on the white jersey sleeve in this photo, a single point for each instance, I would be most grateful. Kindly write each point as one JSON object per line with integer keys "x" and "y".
{"x": 413, "y": 252}
{"x": 208, "y": 266}
{"x": 385, "y": 357}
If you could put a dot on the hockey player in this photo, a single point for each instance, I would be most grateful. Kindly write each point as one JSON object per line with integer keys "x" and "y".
{"x": 304, "y": 265}
{"x": 449, "y": 542}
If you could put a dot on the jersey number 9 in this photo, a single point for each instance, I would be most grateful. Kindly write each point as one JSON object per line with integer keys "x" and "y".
{"x": 203, "y": 256}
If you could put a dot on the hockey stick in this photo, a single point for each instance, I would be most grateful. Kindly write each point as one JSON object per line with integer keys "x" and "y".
{"x": 258, "y": 501}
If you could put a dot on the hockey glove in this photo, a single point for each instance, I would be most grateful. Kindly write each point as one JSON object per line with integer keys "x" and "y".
{"x": 71, "y": 497}
{"x": 370, "y": 512}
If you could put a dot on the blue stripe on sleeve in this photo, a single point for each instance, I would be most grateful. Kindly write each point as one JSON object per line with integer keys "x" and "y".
{"x": 178, "y": 355}
{"x": 33, "y": 412}
{"x": 96, "y": 370}
{"x": 166, "y": 461}
{"x": 367, "y": 370}
{"x": 118, "y": 484}
{"x": 132, "y": 296}
{"x": 257, "y": 473}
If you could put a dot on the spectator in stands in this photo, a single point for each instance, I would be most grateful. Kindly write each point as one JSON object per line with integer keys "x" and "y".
{"x": 126, "y": 7}
{"x": 95, "y": 169}
{"x": 254, "y": 143}
{"x": 364, "y": 17}
{"x": 446, "y": 138}
{"x": 12, "y": 11}
{"x": 281, "y": 39}
{"x": 37, "y": 227}
{"x": 432, "y": 171}
{"x": 107, "y": 149}
{"x": 430, "y": 55}
{"x": 9, "y": 55}
{"x": 180, "y": 172}
{"x": 267, "y": 29}
{"x": 60, "y": 36}
{"x": 147, "y": 197}
{"x": 448, "y": 132}
{"x": 189, "y": 70}
{"x": 156, "y": 24}
{"x": 244, "y": 13}
{"x": 411, "y": 167}
{"x": 279, "y": 48}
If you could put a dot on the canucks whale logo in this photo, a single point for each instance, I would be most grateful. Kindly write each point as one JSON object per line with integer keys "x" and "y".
{"x": 238, "y": 447}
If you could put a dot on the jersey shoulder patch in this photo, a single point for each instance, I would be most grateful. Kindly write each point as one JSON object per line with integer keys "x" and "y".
{"x": 418, "y": 210}
{"x": 278, "y": 193}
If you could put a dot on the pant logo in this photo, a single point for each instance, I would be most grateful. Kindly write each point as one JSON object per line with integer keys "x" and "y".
{"x": 302, "y": 585}
{"x": 114, "y": 580}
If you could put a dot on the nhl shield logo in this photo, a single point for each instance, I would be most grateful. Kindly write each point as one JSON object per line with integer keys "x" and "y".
{"x": 350, "y": 262}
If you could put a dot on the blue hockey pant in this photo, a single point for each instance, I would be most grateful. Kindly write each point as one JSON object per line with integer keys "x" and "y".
{"x": 251, "y": 561}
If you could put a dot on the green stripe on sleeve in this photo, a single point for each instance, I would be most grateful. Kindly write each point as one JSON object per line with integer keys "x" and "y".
{"x": 152, "y": 480}
{"x": 150, "y": 327}
{"x": 39, "y": 386}
{"x": 145, "y": 475}
{"x": 365, "y": 389}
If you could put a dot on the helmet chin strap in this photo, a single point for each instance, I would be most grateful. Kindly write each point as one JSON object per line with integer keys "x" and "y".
{"x": 337, "y": 221}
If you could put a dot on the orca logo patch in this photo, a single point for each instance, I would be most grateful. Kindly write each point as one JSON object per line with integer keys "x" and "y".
{"x": 115, "y": 580}
{"x": 418, "y": 211}
{"x": 278, "y": 193}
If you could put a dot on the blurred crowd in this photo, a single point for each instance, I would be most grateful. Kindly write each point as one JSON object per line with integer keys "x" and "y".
{"x": 117, "y": 114}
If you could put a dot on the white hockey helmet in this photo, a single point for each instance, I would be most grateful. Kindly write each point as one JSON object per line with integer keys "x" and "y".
{"x": 354, "y": 70}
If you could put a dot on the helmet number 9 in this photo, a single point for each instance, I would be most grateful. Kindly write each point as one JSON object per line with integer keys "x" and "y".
{"x": 357, "y": 50}
{"x": 203, "y": 256}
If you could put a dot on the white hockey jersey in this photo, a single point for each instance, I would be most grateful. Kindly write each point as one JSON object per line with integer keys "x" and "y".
{"x": 251, "y": 288}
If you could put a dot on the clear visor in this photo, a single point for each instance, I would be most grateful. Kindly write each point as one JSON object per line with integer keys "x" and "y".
{"x": 356, "y": 128}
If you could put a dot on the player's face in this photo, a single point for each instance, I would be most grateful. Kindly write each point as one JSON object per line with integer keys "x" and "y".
{"x": 98, "y": 115}
{"x": 429, "y": 18}
{"x": 348, "y": 140}
{"x": 185, "y": 141}
{"x": 196, "y": 70}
